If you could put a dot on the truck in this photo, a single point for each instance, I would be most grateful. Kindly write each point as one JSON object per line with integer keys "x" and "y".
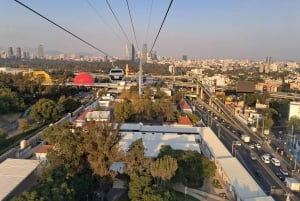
{"x": 245, "y": 138}
{"x": 292, "y": 184}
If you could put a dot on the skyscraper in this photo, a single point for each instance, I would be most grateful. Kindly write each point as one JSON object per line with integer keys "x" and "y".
{"x": 10, "y": 53}
{"x": 144, "y": 53}
{"x": 18, "y": 53}
{"x": 40, "y": 52}
{"x": 130, "y": 52}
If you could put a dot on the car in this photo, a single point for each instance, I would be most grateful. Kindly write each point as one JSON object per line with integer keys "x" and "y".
{"x": 252, "y": 156}
{"x": 258, "y": 174}
{"x": 275, "y": 161}
{"x": 284, "y": 171}
{"x": 257, "y": 145}
{"x": 238, "y": 143}
{"x": 265, "y": 158}
{"x": 251, "y": 146}
{"x": 280, "y": 176}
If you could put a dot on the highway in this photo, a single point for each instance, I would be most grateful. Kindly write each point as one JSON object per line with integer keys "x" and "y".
{"x": 264, "y": 174}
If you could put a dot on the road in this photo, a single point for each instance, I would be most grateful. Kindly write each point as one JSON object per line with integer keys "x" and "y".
{"x": 264, "y": 174}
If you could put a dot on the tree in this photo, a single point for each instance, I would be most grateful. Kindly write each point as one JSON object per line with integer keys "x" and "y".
{"x": 68, "y": 104}
{"x": 163, "y": 169}
{"x": 68, "y": 152}
{"x": 2, "y": 133}
{"x": 123, "y": 111}
{"x": 23, "y": 124}
{"x": 135, "y": 158}
{"x": 102, "y": 147}
{"x": 140, "y": 188}
{"x": 44, "y": 110}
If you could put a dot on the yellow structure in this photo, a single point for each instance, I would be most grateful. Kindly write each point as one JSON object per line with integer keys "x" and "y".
{"x": 127, "y": 70}
{"x": 39, "y": 75}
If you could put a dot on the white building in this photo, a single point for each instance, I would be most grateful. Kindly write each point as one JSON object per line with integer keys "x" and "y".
{"x": 294, "y": 109}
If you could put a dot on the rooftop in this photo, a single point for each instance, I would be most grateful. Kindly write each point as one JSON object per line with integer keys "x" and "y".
{"x": 13, "y": 172}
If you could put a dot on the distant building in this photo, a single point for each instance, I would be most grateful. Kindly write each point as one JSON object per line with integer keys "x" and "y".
{"x": 40, "y": 52}
{"x": 184, "y": 57}
{"x": 18, "y": 53}
{"x": 144, "y": 53}
{"x": 130, "y": 52}
{"x": 10, "y": 53}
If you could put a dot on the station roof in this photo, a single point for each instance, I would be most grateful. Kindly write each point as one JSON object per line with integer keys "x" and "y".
{"x": 13, "y": 172}
{"x": 243, "y": 183}
{"x": 215, "y": 146}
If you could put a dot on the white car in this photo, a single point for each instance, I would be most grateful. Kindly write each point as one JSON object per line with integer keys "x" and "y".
{"x": 251, "y": 146}
{"x": 257, "y": 145}
{"x": 275, "y": 161}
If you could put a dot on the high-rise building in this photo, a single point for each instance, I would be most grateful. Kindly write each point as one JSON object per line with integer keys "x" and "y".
{"x": 144, "y": 53}
{"x": 184, "y": 57}
{"x": 40, "y": 52}
{"x": 130, "y": 52}
{"x": 18, "y": 53}
{"x": 10, "y": 53}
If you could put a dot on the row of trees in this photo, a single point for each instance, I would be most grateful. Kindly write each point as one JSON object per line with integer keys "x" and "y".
{"x": 79, "y": 164}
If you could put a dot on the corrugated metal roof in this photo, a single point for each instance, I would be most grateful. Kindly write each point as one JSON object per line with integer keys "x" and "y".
{"x": 13, "y": 172}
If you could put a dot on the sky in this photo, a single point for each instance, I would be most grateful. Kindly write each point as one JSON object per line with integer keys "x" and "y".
{"x": 222, "y": 29}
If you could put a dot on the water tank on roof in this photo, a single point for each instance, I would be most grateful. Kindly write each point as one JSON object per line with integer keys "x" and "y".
{"x": 23, "y": 144}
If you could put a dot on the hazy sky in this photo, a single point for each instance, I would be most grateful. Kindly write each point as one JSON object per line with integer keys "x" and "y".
{"x": 237, "y": 29}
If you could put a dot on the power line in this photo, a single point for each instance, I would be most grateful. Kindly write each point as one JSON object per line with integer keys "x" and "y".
{"x": 110, "y": 8}
{"x": 84, "y": 41}
{"x": 149, "y": 20}
{"x": 161, "y": 25}
{"x": 132, "y": 25}
{"x": 104, "y": 21}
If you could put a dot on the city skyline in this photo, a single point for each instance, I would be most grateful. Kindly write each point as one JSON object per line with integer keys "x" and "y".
{"x": 214, "y": 29}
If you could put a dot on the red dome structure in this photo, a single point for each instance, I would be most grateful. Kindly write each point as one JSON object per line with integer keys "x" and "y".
{"x": 83, "y": 78}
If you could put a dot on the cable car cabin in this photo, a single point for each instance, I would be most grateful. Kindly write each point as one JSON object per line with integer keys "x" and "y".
{"x": 116, "y": 75}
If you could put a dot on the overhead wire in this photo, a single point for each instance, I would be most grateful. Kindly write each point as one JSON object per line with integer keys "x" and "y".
{"x": 117, "y": 20}
{"x": 103, "y": 20}
{"x": 149, "y": 21}
{"x": 132, "y": 25}
{"x": 64, "y": 29}
{"x": 161, "y": 25}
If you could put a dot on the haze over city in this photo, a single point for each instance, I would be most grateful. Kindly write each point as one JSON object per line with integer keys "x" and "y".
{"x": 200, "y": 29}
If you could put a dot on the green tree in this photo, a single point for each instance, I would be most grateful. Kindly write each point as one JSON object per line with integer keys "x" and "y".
{"x": 163, "y": 169}
{"x": 140, "y": 188}
{"x": 102, "y": 147}
{"x": 68, "y": 104}
{"x": 44, "y": 110}
{"x": 68, "y": 152}
{"x": 135, "y": 158}
{"x": 123, "y": 111}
